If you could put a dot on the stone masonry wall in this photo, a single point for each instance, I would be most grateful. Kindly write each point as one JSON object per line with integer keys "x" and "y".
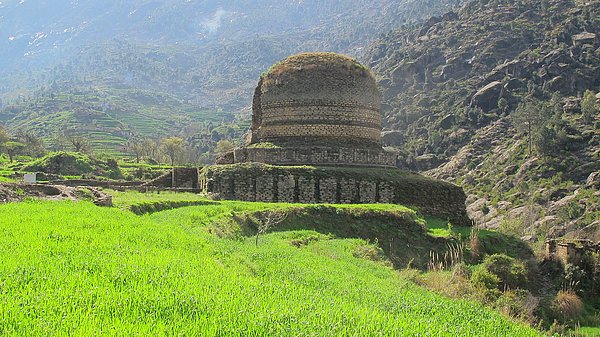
{"x": 259, "y": 182}
{"x": 318, "y": 119}
{"x": 185, "y": 177}
{"x": 315, "y": 156}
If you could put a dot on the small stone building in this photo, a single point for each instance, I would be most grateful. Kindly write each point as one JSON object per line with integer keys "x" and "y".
{"x": 316, "y": 138}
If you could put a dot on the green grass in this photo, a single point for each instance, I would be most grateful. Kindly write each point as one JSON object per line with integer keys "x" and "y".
{"x": 74, "y": 269}
{"x": 492, "y": 242}
{"x": 6, "y": 179}
{"x": 405, "y": 238}
{"x": 589, "y": 331}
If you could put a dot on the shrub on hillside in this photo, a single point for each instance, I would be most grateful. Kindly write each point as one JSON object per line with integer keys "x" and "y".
{"x": 518, "y": 303}
{"x": 483, "y": 278}
{"x": 511, "y": 273}
{"x": 461, "y": 270}
{"x": 63, "y": 163}
{"x": 74, "y": 164}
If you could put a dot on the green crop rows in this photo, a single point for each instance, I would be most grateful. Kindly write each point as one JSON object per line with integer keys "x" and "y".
{"x": 75, "y": 269}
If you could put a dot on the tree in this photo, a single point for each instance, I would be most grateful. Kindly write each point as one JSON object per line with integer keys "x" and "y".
{"x": 34, "y": 145}
{"x": 173, "y": 147}
{"x": 502, "y": 105}
{"x": 13, "y": 148}
{"x": 136, "y": 147}
{"x": 150, "y": 149}
{"x": 269, "y": 219}
{"x": 589, "y": 107}
{"x": 224, "y": 146}
{"x": 79, "y": 144}
{"x": 529, "y": 117}
{"x": 4, "y": 137}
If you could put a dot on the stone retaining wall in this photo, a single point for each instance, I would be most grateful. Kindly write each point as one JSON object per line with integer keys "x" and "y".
{"x": 305, "y": 184}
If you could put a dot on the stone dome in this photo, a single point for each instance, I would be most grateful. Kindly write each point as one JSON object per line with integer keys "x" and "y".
{"x": 317, "y": 99}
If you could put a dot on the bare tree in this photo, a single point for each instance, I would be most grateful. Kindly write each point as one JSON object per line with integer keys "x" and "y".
{"x": 269, "y": 219}
{"x": 136, "y": 147}
{"x": 34, "y": 145}
{"x": 79, "y": 144}
{"x": 150, "y": 148}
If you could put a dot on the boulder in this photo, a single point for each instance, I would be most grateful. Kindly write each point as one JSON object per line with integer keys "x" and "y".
{"x": 556, "y": 232}
{"x": 487, "y": 97}
{"x": 583, "y": 38}
{"x": 589, "y": 232}
{"x": 547, "y": 221}
{"x": 392, "y": 138}
{"x": 447, "y": 122}
{"x": 450, "y": 16}
{"x": 557, "y": 83}
{"x": 511, "y": 169}
{"x": 557, "y": 205}
{"x": 593, "y": 180}
{"x": 428, "y": 161}
{"x": 504, "y": 205}
{"x": 529, "y": 238}
{"x": 515, "y": 84}
{"x": 455, "y": 68}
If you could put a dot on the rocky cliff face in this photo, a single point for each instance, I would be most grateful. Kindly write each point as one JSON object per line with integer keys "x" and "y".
{"x": 455, "y": 90}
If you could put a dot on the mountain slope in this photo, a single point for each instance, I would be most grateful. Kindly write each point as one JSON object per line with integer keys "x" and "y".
{"x": 455, "y": 90}
{"x": 200, "y": 56}
{"x": 107, "y": 118}
{"x": 197, "y": 38}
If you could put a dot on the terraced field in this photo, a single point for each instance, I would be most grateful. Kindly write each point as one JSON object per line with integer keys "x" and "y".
{"x": 74, "y": 269}
{"x": 106, "y": 118}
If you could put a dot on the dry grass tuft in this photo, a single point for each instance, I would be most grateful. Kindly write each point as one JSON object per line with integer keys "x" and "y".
{"x": 567, "y": 304}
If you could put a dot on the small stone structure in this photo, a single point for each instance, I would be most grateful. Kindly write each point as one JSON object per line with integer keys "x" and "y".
{"x": 570, "y": 252}
{"x": 316, "y": 138}
{"x": 183, "y": 177}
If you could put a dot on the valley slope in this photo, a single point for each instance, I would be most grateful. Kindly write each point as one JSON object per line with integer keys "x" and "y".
{"x": 461, "y": 90}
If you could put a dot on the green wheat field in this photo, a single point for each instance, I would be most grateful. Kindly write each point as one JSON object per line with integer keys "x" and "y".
{"x": 75, "y": 269}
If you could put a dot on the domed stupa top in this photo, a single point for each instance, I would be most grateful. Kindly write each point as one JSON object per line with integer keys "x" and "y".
{"x": 315, "y": 99}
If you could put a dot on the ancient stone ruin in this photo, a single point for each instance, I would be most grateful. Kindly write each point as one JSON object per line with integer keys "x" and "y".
{"x": 316, "y": 109}
{"x": 570, "y": 252}
{"x": 316, "y": 138}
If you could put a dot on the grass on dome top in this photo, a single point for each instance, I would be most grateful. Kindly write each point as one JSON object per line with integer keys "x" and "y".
{"x": 308, "y": 60}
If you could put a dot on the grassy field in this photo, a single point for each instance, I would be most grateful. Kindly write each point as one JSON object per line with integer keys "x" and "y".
{"x": 74, "y": 269}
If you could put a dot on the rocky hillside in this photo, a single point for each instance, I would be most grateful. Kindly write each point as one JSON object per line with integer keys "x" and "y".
{"x": 492, "y": 96}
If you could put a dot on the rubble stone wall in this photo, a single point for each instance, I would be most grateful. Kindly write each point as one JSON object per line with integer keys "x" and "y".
{"x": 304, "y": 184}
